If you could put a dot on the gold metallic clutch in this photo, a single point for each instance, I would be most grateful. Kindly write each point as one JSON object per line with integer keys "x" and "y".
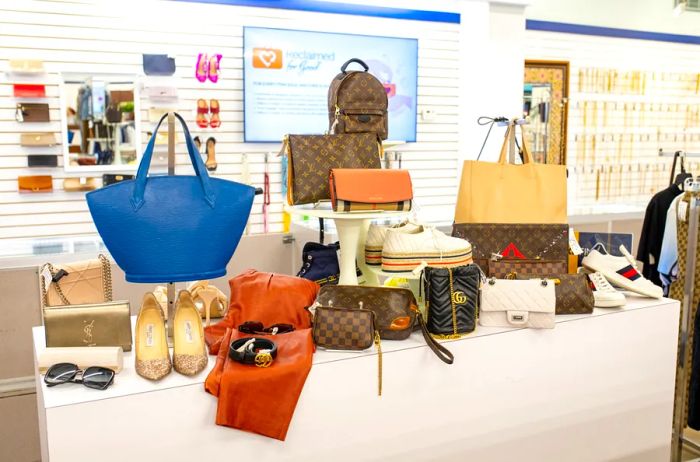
{"x": 98, "y": 324}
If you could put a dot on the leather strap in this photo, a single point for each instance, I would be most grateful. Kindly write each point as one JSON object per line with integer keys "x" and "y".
{"x": 440, "y": 351}
{"x": 344, "y": 67}
{"x": 137, "y": 197}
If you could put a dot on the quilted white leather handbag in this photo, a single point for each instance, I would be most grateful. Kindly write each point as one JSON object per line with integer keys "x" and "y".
{"x": 518, "y": 303}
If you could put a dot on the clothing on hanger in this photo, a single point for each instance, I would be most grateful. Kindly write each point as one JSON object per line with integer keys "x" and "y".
{"x": 651, "y": 238}
{"x": 668, "y": 259}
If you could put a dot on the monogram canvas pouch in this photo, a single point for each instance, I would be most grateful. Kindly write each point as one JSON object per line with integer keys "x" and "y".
{"x": 98, "y": 324}
{"x": 343, "y": 328}
{"x": 512, "y": 268}
{"x": 311, "y": 158}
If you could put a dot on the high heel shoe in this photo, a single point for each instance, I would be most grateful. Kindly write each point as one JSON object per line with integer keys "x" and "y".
{"x": 209, "y": 300}
{"x": 214, "y": 63}
{"x": 202, "y": 113}
{"x": 202, "y": 67}
{"x": 152, "y": 355}
{"x": 211, "y": 154}
{"x": 214, "y": 108}
{"x": 189, "y": 351}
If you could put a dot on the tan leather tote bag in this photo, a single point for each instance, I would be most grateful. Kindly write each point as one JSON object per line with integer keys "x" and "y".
{"x": 507, "y": 193}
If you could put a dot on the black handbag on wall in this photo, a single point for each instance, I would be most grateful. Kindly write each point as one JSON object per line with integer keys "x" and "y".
{"x": 452, "y": 300}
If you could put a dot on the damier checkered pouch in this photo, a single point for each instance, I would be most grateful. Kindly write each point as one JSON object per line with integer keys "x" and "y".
{"x": 347, "y": 329}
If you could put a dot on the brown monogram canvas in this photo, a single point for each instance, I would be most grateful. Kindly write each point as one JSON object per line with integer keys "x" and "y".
{"x": 394, "y": 309}
{"x": 574, "y": 295}
{"x": 311, "y": 158}
{"x": 676, "y": 292}
{"x": 507, "y": 267}
{"x": 528, "y": 241}
{"x": 343, "y": 328}
{"x": 357, "y": 103}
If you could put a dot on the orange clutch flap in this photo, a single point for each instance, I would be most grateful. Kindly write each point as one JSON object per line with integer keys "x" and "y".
{"x": 35, "y": 183}
{"x": 372, "y": 187}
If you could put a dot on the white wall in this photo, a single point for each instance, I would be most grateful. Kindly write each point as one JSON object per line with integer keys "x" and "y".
{"x": 645, "y": 15}
{"x": 465, "y": 70}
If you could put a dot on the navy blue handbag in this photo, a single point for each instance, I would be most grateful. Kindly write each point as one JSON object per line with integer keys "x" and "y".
{"x": 171, "y": 228}
{"x": 158, "y": 65}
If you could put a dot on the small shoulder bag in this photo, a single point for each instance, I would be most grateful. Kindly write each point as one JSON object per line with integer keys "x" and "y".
{"x": 452, "y": 300}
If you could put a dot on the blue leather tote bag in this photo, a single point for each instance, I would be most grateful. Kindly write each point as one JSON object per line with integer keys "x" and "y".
{"x": 171, "y": 228}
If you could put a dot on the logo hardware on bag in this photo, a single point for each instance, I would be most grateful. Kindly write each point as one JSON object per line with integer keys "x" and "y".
{"x": 88, "y": 333}
{"x": 267, "y": 58}
{"x": 630, "y": 272}
{"x": 458, "y": 298}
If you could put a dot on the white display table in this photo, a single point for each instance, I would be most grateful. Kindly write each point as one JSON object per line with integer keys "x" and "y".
{"x": 597, "y": 387}
{"x": 352, "y": 232}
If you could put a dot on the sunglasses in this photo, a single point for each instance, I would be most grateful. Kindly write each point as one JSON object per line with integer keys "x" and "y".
{"x": 95, "y": 377}
{"x": 256, "y": 327}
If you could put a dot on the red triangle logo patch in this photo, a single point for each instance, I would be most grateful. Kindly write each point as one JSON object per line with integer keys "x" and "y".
{"x": 512, "y": 251}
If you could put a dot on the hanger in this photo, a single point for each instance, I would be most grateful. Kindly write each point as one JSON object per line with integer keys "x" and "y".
{"x": 679, "y": 180}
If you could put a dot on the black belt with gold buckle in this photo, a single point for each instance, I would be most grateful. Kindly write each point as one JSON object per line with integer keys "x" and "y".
{"x": 254, "y": 351}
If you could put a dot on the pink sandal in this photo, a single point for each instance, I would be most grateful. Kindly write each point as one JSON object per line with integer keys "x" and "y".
{"x": 214, "y": 68}
{"x": 202, "y": 65}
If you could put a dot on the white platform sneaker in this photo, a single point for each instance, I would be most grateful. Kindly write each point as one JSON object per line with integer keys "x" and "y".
{"x": 605, "y": 295}
{"x": 376, "y": 235}
{"x": 405, "y": 252}
{"x": 622, "y": 272}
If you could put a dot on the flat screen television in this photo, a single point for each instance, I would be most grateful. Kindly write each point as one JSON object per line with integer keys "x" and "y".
{"x": 287, "y": 73}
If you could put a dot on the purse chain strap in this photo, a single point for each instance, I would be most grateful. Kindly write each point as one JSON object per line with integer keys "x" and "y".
{"x": 106, "y": 282}
{"x": 106, "y": 277}
{"x": 454, "y": 334}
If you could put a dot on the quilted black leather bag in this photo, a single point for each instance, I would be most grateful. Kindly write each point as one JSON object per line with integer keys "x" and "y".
{"x": 452, "y": 300}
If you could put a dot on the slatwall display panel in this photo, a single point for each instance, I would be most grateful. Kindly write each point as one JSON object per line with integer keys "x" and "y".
{"x": 627, "y": 100}
{"x": 98, "y": 36}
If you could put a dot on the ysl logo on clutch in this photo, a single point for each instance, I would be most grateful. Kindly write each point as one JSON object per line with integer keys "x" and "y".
{"x": 458, "y": 298}
{"x": 87, "y": 340}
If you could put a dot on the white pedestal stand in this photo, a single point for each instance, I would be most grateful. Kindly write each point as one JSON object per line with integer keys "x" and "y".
{"x": 352, "y": 232}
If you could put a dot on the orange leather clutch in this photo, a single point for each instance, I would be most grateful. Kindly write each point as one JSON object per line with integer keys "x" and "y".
{"x": 35, "y": 183}
{"x": 367, "y": 189}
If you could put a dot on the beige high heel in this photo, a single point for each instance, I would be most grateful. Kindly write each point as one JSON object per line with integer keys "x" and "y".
{"x": 152, "y": 355}
{"x": 209, "y": 300}
{"x": 189, "y": 350}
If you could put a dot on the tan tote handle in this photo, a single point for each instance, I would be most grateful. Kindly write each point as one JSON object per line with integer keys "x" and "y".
{"x": 527, "y": 158}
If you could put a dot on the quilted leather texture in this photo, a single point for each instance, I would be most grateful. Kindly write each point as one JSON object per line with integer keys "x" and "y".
{"x": 84, "y": 284}
{"x": 530, "y": 296}
{"x": 311, "y": 158}
{"x": 549, "y": 242}
{"x": 391, "y": 306}
{"x": 574, "y": 295}
{"x": 171, "y": 228}
{"x": 439, "y": 295}
{"x": 343, "y": 329}
{"x": 363, "y": 102}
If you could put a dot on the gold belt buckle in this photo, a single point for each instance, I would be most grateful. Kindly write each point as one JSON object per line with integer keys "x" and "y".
{"x": 263, "y": 359}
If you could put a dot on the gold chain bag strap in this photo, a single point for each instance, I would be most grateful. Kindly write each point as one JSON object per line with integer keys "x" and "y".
{"x": 79, "y": 283}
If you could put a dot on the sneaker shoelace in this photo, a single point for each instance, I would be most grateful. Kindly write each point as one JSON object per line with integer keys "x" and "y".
{"x": 601, "y": 283}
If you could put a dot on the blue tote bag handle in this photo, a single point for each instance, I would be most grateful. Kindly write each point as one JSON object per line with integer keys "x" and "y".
{"x": 137, "y": 198}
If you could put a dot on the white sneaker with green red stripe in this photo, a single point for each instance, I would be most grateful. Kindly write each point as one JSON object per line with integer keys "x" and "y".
{"x": 376, "y": 235}
{"x": 405, "y": 252}
{"x": 622, "y": 272}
